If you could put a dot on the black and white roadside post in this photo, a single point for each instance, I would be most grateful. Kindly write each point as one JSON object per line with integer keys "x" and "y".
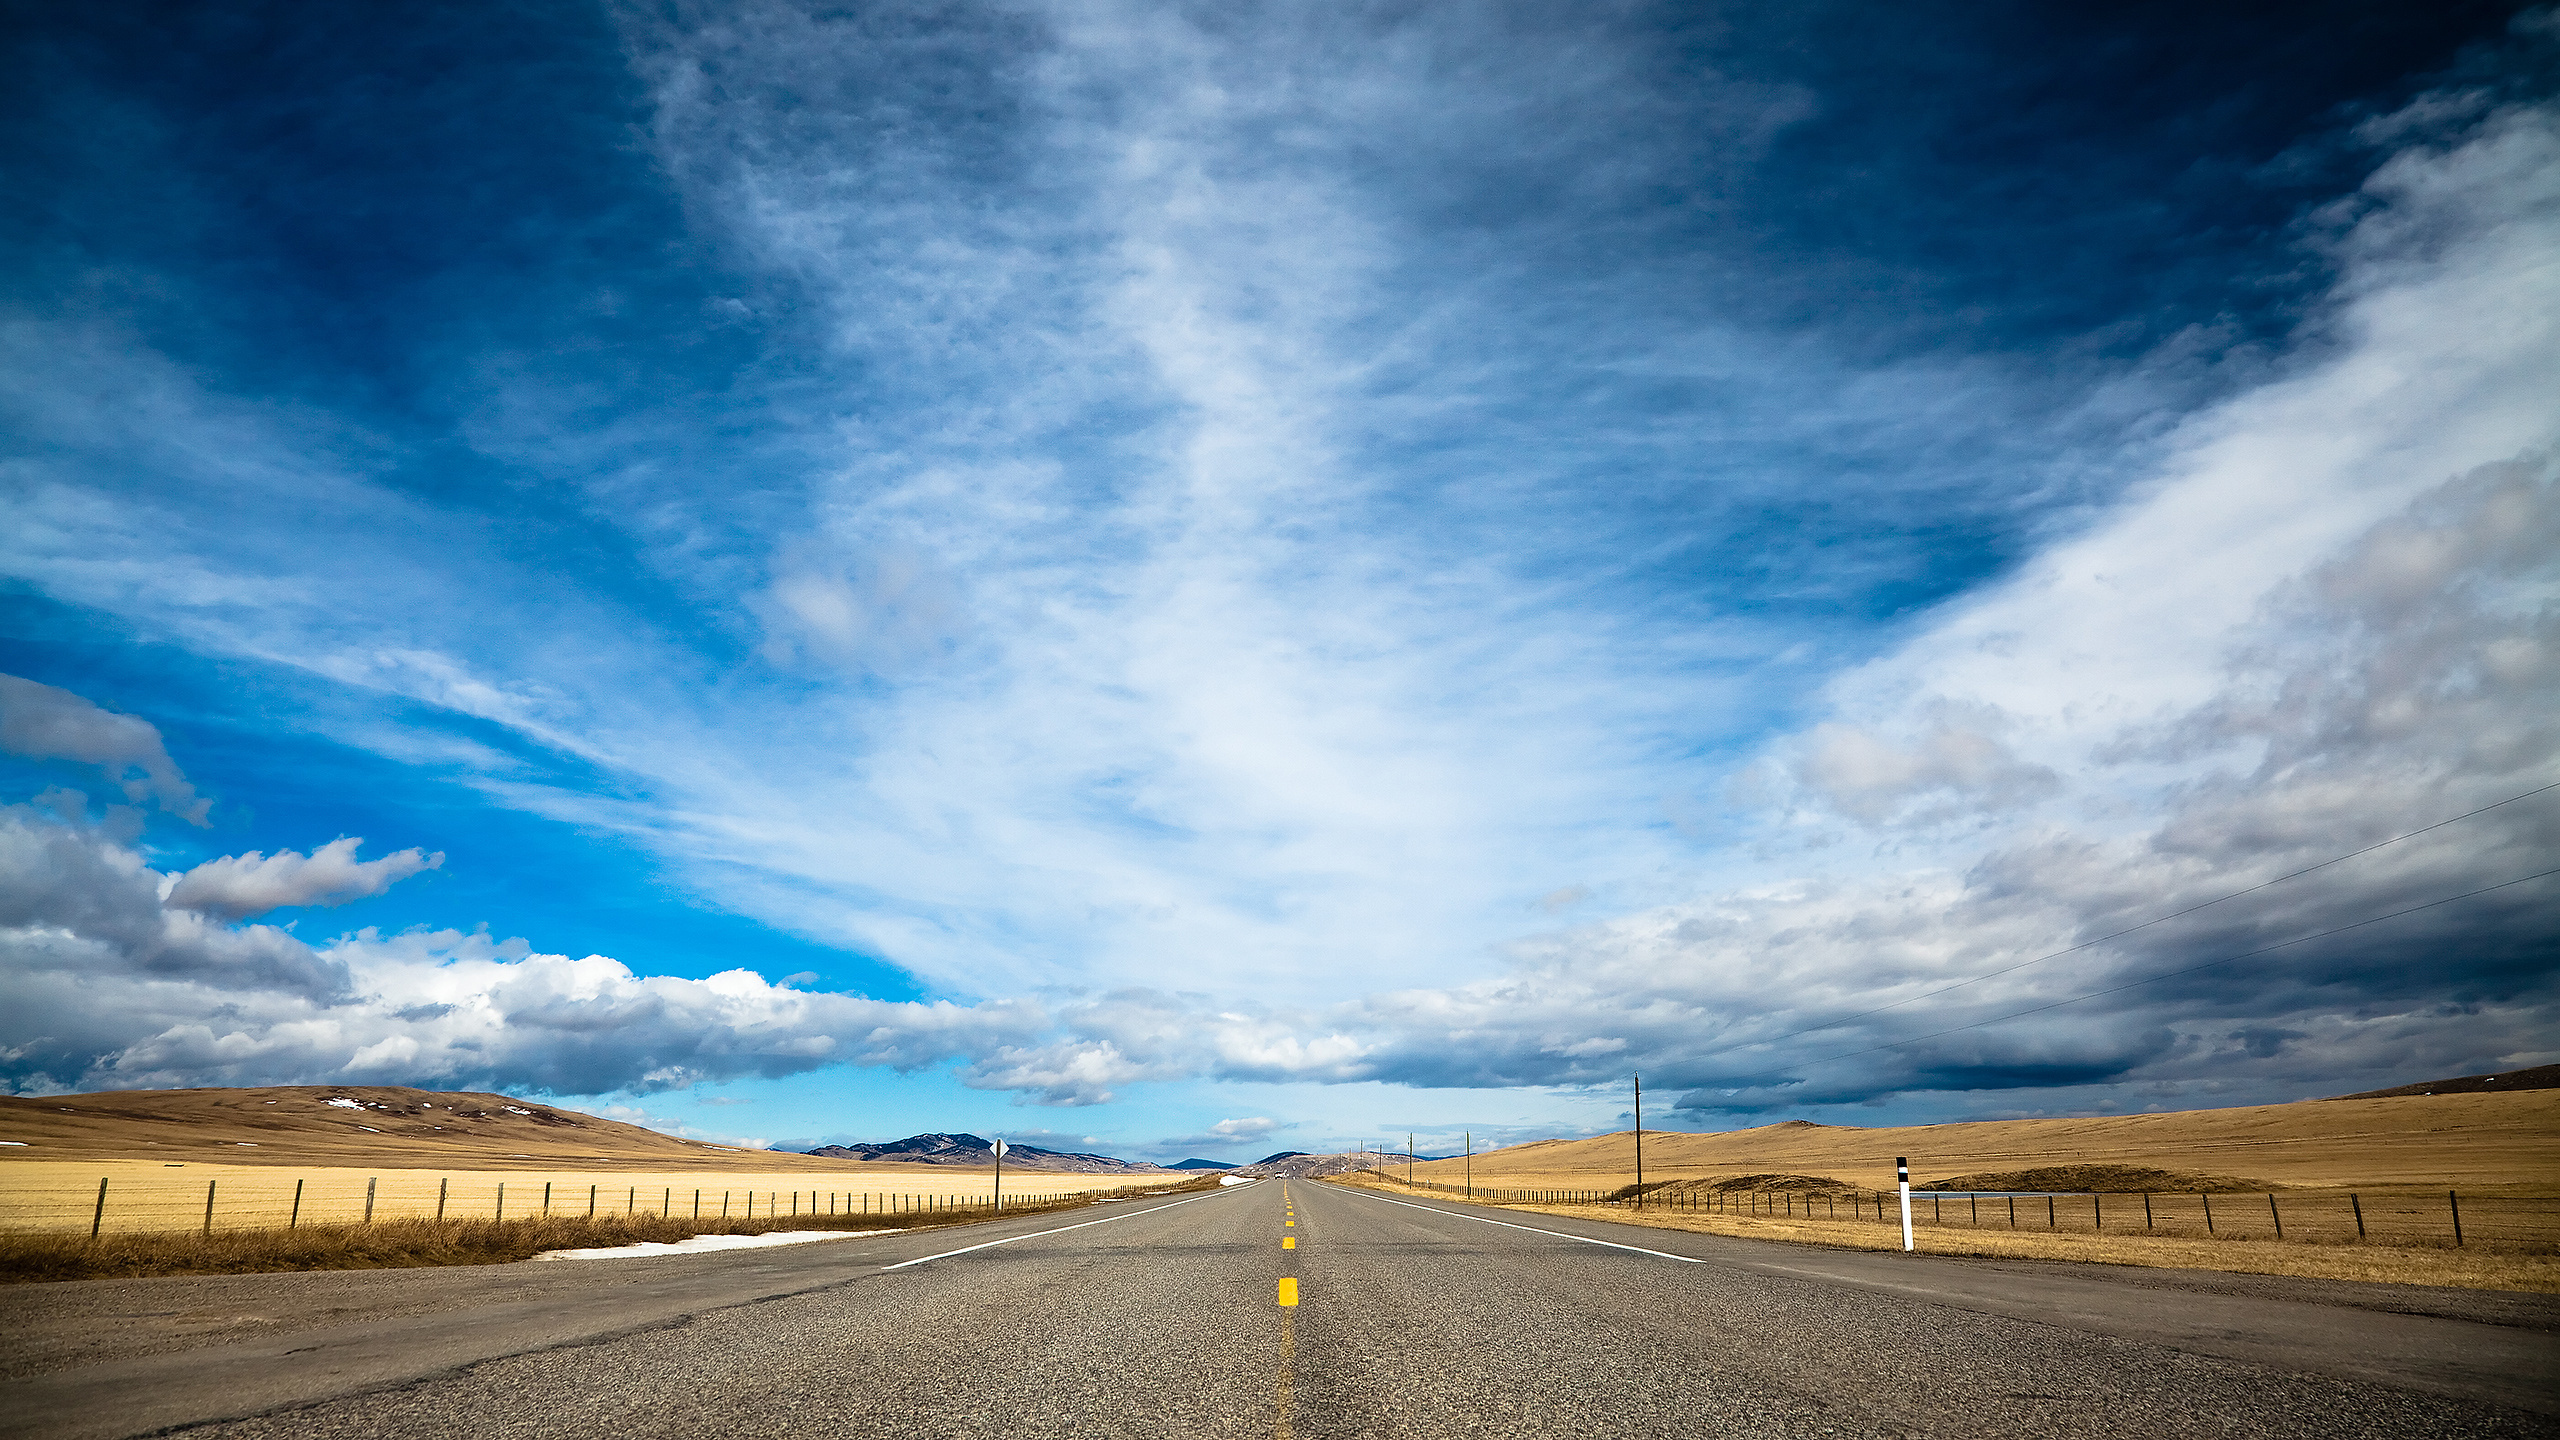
{"x": 1902, "y": 1177}
{"x": 999, "y": 1147}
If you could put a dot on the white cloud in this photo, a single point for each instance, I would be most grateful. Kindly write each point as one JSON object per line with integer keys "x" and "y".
{"x": 104, "y": 986}
{"x": 1140, "y": 678}
{"x": 235, "y": 887}
{"x": 2433, "y": 359}
{"x": 1251, "y": 1130}
{"x": 46, "y": 723}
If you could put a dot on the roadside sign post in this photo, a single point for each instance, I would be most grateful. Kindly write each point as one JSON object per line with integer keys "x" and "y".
{"x": 999, "y": 1147}
{"x": 1902, "y": 1177}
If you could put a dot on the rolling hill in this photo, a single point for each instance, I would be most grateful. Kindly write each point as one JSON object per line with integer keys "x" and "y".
{"x": 379, "y": 1125}
{"x": 2475, "y": 1139}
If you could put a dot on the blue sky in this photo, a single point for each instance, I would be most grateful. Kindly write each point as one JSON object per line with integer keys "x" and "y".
{"x": 1211, "y": 579}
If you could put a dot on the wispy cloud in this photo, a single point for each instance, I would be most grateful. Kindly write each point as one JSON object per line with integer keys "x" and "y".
{"x": 1325, "y": 546}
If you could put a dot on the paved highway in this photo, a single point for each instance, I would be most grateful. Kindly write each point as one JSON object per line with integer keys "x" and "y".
{"x": 1166, "y": 1318}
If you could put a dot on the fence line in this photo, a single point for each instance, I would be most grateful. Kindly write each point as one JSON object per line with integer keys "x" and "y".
{"x": 135, "y": 1206}
{"x": 2379, "y": 1214}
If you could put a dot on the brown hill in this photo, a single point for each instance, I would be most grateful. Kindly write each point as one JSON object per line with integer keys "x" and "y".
{"x": 380, "y": 1125}
{"x": 2540, "y": 1077}
{"x": 2471, "y": 1140}
{"x": 2111, "y": 1179}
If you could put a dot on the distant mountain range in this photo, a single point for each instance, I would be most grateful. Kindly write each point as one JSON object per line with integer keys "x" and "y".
{"x": 1202, "y": 1165}
{"x": 976, "y": 1150}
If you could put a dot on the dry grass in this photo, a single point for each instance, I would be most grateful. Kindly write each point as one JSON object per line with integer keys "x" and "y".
{"x": 2480, "y": 1266}
{"x": 147, "y": 1195}
{"x": 389, "y": 1127}
{"x": 2113, "y": 1179}
{"x": 401, "y": 1244}
{"x": 2467, "y": 1142}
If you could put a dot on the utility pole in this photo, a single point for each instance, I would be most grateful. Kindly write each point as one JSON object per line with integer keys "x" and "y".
{"x": 1639, "y": 1142}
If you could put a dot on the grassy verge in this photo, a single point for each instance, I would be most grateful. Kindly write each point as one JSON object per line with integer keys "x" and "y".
{"x": 2490, "y": 1266}
{"x": 402, "y": 1244}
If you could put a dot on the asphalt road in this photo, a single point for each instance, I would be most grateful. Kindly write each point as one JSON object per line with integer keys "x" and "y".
{"x": 1165, "y": 1318}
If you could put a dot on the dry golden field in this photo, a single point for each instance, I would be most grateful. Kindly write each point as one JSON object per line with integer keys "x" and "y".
{"x": 2480, "y": 1267}
{"x": 158, "y": 1151}
{"x": 152, "y": 1195}
{"x": 2469, "y": 1142}
{"x": 2361, "y": 1185}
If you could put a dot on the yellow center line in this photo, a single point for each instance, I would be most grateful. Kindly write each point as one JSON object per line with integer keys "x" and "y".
{"x": 1288, "y": 1369}
{"x": 1286, "y": 1379}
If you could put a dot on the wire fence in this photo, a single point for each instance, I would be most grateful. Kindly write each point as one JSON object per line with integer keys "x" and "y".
{"x": 2397, "y": 1215}
{"x": 156, "y": 1205}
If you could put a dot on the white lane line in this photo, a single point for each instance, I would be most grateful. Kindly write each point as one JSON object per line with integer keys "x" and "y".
{"x": 1061, "y": 1230}
{"x": 1534, "y": 1230}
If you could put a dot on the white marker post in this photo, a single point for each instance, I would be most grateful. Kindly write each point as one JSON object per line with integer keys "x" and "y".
{"x": 1902, "y": 1177}
{"x": 1000, "y": 1147}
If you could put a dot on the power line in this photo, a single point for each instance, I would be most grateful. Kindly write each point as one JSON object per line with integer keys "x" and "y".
{"x": 2173, "y": 974}
{"x": 2120, "y": 934}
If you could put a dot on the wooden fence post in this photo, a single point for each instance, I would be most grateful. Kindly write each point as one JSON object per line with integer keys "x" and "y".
{"x": 2208, "y": 1211}
{"x": 296, "y": 1217}
{"x": 2146, "y": 1209}
{"x": 2449, "y": 1198}
{"x": 208, "y": 1207}
{"x": 2358, "y": 1206}
{"x": 591, "y": 1201}
{"x": 100, "y": 1216}
{"x": 443, "y": 1184}
{"x": 502, "y": 1199}
{"x": 2276, "y": 1215}
{"x": 368, "y": 1199}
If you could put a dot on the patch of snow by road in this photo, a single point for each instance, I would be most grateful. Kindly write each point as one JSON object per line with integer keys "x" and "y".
{"x": 1226, "y": 1180}
{"x": 701, "y": 1243}
{"x": 21, "y": 1144}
